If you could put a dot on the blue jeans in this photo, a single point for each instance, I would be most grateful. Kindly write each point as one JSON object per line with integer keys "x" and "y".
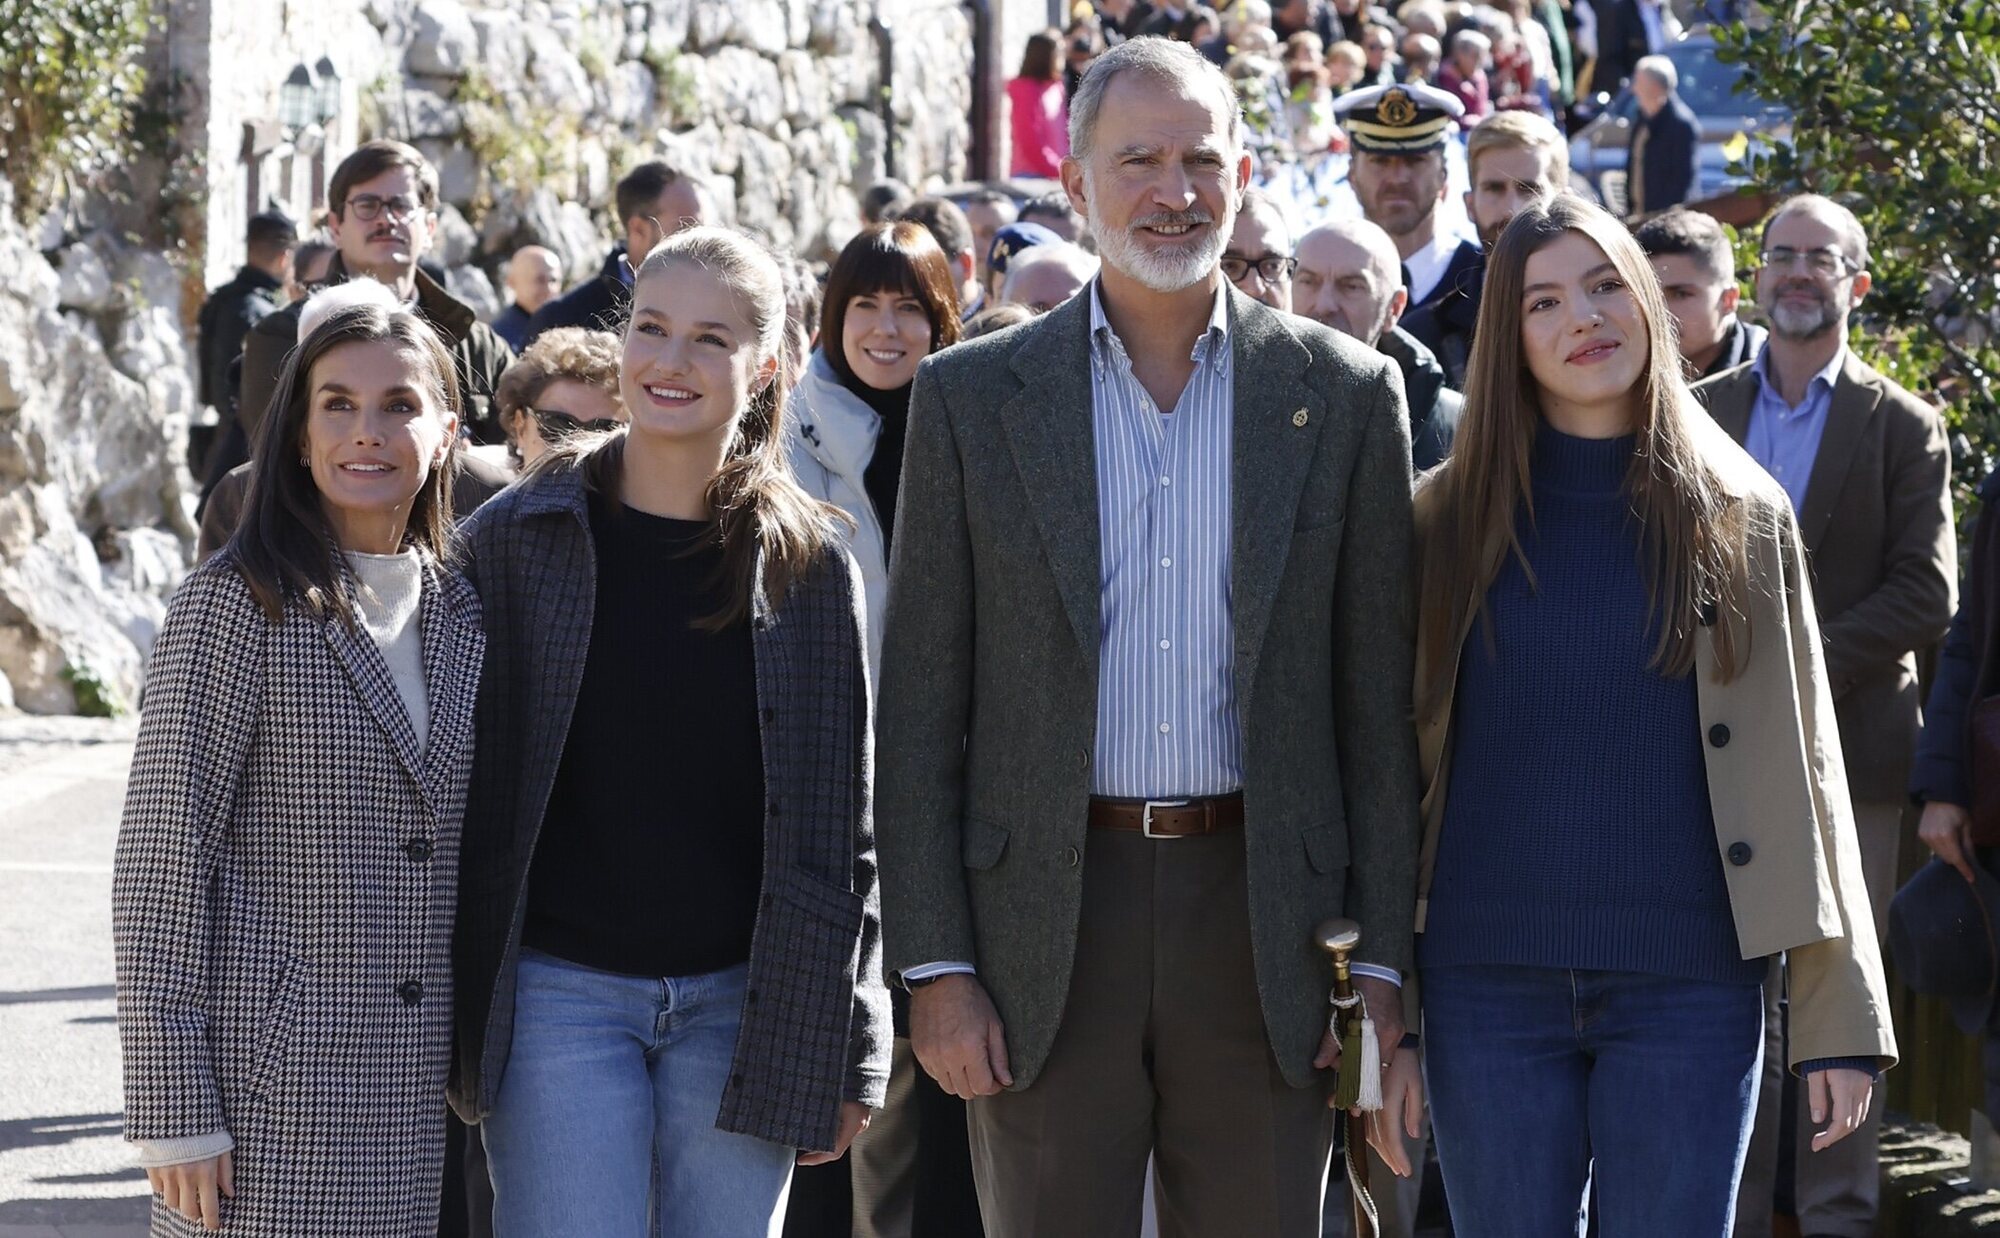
{"x": 605, "y": 1120}
{"x": 1542, "y": 1079}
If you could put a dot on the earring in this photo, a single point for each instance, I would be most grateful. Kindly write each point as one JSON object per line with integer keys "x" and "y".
{"x": 305, "y": 463}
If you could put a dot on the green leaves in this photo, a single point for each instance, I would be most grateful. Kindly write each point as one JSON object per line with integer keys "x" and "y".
{"x": 71, "y": 74}
{"x": 1897, "y": 116}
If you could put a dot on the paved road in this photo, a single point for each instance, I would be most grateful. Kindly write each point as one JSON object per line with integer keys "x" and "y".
{"x": 64, "y": 1169}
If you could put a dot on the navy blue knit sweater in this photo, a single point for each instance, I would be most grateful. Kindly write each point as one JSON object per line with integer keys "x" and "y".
{"x": 1577, "y": 831}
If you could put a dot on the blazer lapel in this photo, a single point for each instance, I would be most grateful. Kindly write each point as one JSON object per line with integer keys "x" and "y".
{"x": 1729, "y": 401}
{"x": 1050, "y": 431}
{"x": 1272, "y": 450}
{"x": 454, "y": 649}
{"x": 357, "y": 654}
{"x": 1847, "y": 416}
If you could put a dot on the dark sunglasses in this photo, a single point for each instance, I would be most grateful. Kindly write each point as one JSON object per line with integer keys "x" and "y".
{"x": 556, "y": 423}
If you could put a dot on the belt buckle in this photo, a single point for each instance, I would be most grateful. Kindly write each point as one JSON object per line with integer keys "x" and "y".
{"x": 1146, "y": 820}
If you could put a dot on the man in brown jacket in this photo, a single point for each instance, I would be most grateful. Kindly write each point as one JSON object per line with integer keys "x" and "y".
{"x": 1868, "y": 471}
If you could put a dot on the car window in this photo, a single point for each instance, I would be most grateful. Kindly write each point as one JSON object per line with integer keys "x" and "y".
{"x": 1708, "y": 86}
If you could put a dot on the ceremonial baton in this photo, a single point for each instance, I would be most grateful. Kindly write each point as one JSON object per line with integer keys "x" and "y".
{"x": 1360, "y": 1085}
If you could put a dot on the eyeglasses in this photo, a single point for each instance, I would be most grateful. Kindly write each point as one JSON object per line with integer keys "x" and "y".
{"x": 1825, "y": 262}
{"x": 556, "y": 424}
{"x": 368, "y": 207}
{"x": 1271, "y": 268}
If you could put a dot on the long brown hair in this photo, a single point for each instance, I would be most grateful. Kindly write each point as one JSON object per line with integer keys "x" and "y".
{"x": 757, "y": 507}
{"x": 284, "y": 546}
{"x": 1692, "y": 541}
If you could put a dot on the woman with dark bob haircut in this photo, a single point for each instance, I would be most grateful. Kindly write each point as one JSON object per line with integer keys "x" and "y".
{"x": 286, "y": 875}
{"x": 890, "y": 301}
{"x": 1635, "y": 793}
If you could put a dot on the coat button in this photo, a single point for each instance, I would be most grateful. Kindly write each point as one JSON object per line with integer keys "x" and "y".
{"x": 418, "y": 849}
{"x": 1071, "y": 857}
{"x": 1739, "y": 854}
{"x": 411, "y": 991}
{"x": 1083, "y": 757}
{"x": 750, "y": 996}
{"x": 1719, "y": 735}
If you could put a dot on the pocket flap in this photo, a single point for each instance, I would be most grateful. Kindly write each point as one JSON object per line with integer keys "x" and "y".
{"x": 1326, "y": 846}
{"x": 983, "y": 843}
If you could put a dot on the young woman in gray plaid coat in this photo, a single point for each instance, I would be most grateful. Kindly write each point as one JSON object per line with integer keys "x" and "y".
{"x": 286, "y": 873}
{"x": 668, "y": 945}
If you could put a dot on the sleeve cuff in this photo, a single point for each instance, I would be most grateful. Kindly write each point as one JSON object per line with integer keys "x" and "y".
{"x": 1375, "y": 971}
{"x": 926, "y": 971}
{"x": 159, "y": 1153}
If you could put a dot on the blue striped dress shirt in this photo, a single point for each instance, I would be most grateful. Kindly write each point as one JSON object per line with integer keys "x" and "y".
{"x": 1785, "y": 440}
{"x": 1167, "y": 726}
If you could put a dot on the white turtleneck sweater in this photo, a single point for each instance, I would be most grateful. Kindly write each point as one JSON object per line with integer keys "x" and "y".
{"x": 392, "y": 588}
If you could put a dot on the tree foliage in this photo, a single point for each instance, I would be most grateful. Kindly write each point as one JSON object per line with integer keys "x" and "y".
{"x": 71, "y": 73}
{"x": 1896, "y": 108}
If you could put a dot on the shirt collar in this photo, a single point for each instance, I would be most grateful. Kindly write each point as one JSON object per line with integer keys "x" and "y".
{"x": 1824, "y": 379}
{"x": 1104, "y": 341}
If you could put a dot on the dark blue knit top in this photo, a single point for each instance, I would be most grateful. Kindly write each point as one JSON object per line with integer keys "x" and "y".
{"x": 1577, "y": 830}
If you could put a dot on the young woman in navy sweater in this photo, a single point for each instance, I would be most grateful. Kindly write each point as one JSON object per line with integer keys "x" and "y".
{"x": 1607, "y": 584}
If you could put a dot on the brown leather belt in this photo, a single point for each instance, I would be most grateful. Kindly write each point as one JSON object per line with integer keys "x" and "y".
{"x": 1169, "y": 818}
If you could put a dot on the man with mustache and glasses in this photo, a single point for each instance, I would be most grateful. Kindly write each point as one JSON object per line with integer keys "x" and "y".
{"x": 1868, "y": 470}
{"x": 1148, "y": 650}
{"x": 380, "y": 213}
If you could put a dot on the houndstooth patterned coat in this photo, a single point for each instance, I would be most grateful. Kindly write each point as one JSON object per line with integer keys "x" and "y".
{"x": 815, "y": 1026}
{"x": 283, "y": 901}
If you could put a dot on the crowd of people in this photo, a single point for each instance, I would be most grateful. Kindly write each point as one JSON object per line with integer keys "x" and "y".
{"x": 867, "y": 755}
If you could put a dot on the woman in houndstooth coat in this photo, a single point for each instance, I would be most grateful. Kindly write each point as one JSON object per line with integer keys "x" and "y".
{"x": 286, "y": 873}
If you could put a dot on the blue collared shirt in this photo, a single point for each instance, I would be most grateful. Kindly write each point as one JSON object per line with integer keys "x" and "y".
{"x": 1167, "y": 725}
{"x": 1784, "y": 439}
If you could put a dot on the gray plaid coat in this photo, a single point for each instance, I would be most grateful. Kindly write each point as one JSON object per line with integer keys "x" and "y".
{"x": 282, "y": 904}
{"x": 816, "y": 1026}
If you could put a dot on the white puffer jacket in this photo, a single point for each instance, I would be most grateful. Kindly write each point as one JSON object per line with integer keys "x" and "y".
{"x": 833, "y": 435}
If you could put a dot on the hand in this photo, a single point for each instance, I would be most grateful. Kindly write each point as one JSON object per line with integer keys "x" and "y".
{"x": 957, "y": 1037}
{"x": 190, "y": 1188}
{"x": 1402, "y": 1094}
{"x": 1838, "y": 1098}
{"x": 853, "y": 1120}
{"x": 1947, "y": 830}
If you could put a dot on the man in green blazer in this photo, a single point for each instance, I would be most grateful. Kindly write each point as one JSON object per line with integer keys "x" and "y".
{"x": 1145, "y": 707}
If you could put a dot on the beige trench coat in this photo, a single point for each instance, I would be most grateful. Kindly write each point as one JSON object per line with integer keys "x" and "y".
{"x": 1784, "y": 825}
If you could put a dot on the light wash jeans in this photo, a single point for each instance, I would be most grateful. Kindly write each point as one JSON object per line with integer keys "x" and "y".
{"x": 605, "y": 1120}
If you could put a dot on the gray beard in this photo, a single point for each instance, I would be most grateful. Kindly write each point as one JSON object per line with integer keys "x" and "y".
{"x": 1794, "y": 324}
{"x": 1159, "y": 271}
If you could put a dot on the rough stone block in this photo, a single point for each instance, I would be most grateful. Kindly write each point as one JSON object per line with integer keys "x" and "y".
{"x": 558, "y": 81}
{"x": 471, "y": 285}
{"x": 456, "y": 243}
{"x": 444, "y": 42}
{"x": 503, "y": 45}
{"x": 84, "y": 282}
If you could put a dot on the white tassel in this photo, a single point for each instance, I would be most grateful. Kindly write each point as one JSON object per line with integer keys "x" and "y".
{"x": 1370, "y": 1099}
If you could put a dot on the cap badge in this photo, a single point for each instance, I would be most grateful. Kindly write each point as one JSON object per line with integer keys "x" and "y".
{"x": 1397, "y": 108}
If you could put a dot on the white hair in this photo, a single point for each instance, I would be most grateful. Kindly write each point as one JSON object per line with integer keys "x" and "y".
{"x": 1161, "y": 59}
{"x": 357, "y": 291}
{"x": 1072, "y": 258}
{"x": 1660, "y": 69}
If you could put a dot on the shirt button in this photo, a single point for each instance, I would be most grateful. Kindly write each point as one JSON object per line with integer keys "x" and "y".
{"x": 411, "y": 991}
{"x": 1166, "y": 481}
{"x": 1166, "y": 727}
{"x": 1167, "y": 562}
{"x": 1166, "y": 644}
{"x": 418, "y": 849}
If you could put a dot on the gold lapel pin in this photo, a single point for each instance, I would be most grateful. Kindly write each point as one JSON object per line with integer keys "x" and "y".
{"x": 1299, "y": 419}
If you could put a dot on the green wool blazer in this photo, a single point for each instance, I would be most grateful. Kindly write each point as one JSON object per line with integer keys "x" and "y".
{"x": 990, "y": 665}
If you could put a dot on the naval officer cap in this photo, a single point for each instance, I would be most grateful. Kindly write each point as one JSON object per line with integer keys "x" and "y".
{"x": 1398, "y": 119}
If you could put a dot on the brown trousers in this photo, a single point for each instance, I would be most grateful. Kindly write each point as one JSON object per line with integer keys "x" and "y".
{"x": 1162, "y": 1051}
{"x": 1836, "y": 1192}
